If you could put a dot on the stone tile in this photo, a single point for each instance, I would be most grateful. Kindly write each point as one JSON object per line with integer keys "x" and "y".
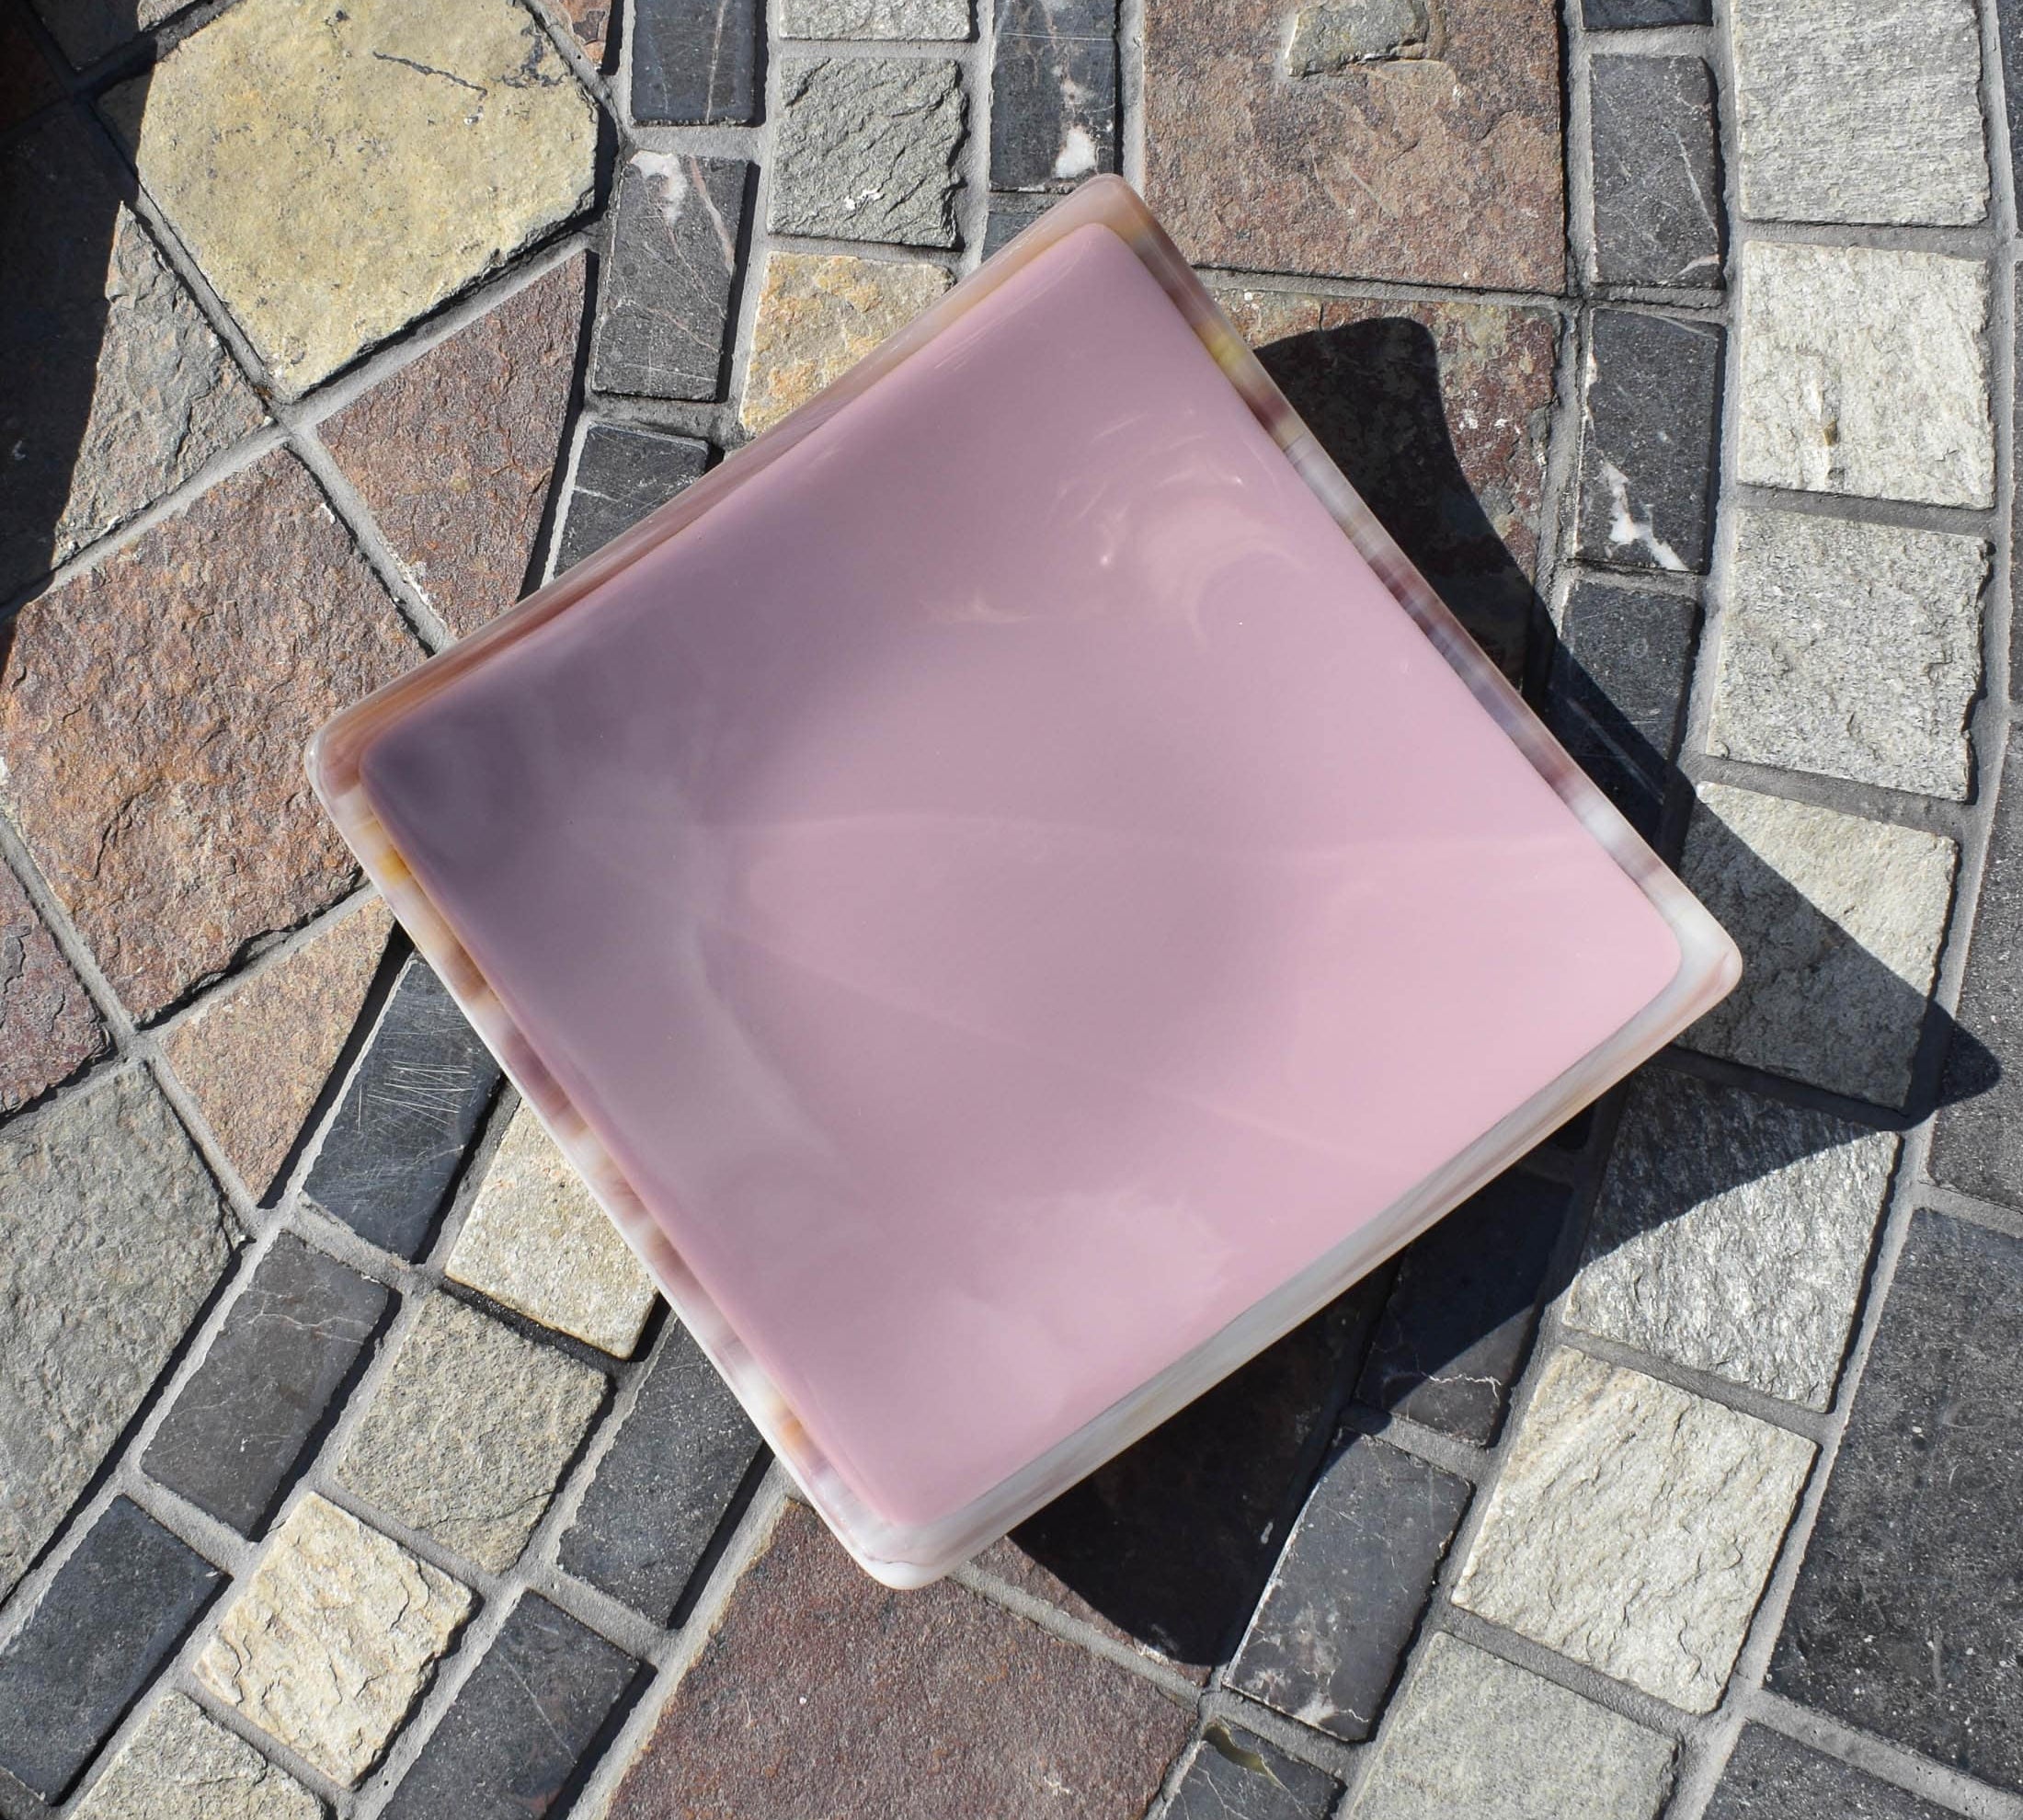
{"x": 2008, "y": 25}
{"x": 1442, "y": 168}
{"x": 333, "y": 1638}
{"x": 1013, "y": 214}
{"x": 1630, "y": 15}
{"x": 664, "y": 309}
{"x": 874, "y": 18}
{"x": 1657, "y": 172}
{"x": 819, "y": 315}
{"x": 589, "y": 23}
{"x": 1053, "y": 93}
{"x": 469, "y": 1432}
{"x": 521, "y": 1722}
{"x": 408, "y": 1118}
{"x": 392, "y": 158}
{"x": 1733, "y": 1233}
{"x": 156, "y": 708}
{"x": 695, "y": 61}
{"x": 27, "y": 80}
{"x": 536, "y": 1241}
{"x": 108, "y": 1620}
{"x": 455, "y": 453}
{"x": 1851, "y": 650}
{"x": 1770, "y": 1776}
{"x": 182, "y": 1765}
{"x": 243, "y": 1422}
{"x": 1648, "y": 414}
{"x": 1231, "y": 1775}
{"x": 87, "y": 30}
{"x": 1977, "y": 1144}
{"x": 49, "y": 1027}
{"x": 621, "y": 474}
{"x": 821, "y": 1691}
{"x": 1863, "y": 372}
{"x": 660, "y": 1492}
{"x": 1476, "y": 1735}
{"x": 1633, "y": 1528}
{"x": 1859, "y": 110}
{"x": 1349, "y": 1591}
{"x": 1839, "y": 920}
{"x": 866, "y": 149}
{"x": 255, "y": 1056}
{"x": 1457, "y": 1324}
{"x": 87, "y": 1325}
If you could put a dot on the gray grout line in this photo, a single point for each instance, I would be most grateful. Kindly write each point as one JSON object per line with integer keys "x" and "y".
{"x": 1879, "y": 1757}
{"x": 1577, "y": 86}
{"x": 1058, "y": 1624}
{"x": 1982, "y": 521}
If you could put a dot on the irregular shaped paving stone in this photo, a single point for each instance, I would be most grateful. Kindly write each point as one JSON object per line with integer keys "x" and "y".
{"x": 621, "y": 474}
{"x": 664, "y": 310}
{"x": 156, "y": 708}
{"x": 1231, "y": 1775}
{"x": 182, "y": 1765}
{"x": 1733, "y": 1233}
{"x": 333, "y": 1638}
{"x": 87, "y": 1325}
{"x": 874, "y": 18}
{"x": 1861, "y": 111}
{"x": 867, "y": 149}
{"x": 1053, "y": 92}
{"x": 1633, "y": 1528}
{"x": 108, "y": 1620}
{"x": 1839, "y": 920}
{"x": 821, "y": 1691}
{"x": 337, "y": 177}
{"x": 87, "y": 30}
{"x": 290, "y": 1338}
{"x": 1851, "y": 650}
{"x": 695, "y": 61}
{"x": 1770, "y": 1776}
{"x": 255, "y": 1057}
{"x": 1476, "y": 1736}
{"x": 49, "y": 1027}
{"x": 1657, "y": 178}
{"x": 455, "y": 453}
{"x": 1863, "y": 371}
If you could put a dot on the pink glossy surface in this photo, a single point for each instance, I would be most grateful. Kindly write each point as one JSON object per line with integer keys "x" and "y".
{"x": 1009, "y": 885}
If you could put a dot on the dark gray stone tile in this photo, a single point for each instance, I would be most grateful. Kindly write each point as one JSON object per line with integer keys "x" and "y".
{"x": 1657, "y": 178}
{"x": 1347, "y": 1594}
{"x": 399, "y": 1138}
{"x": 1770, "y": 1776}
{"x": 1054, "y": 93}
{"x": 1907, "y": 1609}
{"x": 1646, "y": 441}
{"x": 621, "y": 476}
{"x": 1621, "y": 14}
{"x": 233, "y": 1440}
{"x": 695, "y": 61}
{"x": 1233, "y": 1775}
{"x": 521, "y": 1723}
{"x": 2009, "y": 29}
{"x": 1011, "y": 213}
{"x": 661, "y": 1490}
{"x": 866, "y": 149}
{"x": 107, "y": 1622}
{"x": 665, "y": 300}
{"x": 1456, "y": 1330}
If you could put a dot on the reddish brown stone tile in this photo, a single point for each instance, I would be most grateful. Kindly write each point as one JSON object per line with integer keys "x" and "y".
{"x": 255, "y": 1056}
{"x": 589, "y": 23}
{"x": 822, "y": 1693}
{"x": 1441, "y": 165}
{"x": 455, "y": 453}
{"x": 49, "y": 1028}
{"x": 152, "y": 716}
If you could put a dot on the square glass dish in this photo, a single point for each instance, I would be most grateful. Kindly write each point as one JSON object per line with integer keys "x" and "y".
{"x": 1013, "y": 891}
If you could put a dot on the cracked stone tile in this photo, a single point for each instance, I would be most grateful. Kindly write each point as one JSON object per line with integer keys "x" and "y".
{"x": 1230, "y": 1774}
{"x": 695, "y": 61}
{"x": 183, "y": 1765}
{"x": 621, "y": 474}
{"x": 1770, "y": 1776}
{"x": 1657, "y": 175}
{"x": 1053, "y": 93}
{"x": 48, "y": 1026}
{"x": 874, "y": 18}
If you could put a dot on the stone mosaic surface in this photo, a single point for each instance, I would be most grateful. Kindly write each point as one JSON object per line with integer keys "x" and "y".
{"x": 867, "y": 150}
{"x": 182, "y": 1765}
{"x": 48, "y": 1026}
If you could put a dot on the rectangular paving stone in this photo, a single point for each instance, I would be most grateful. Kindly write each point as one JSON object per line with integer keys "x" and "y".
{"x": 866, "y": 149}
{"x": 1053, "y": 93}
{"x": 663, "y": 322}
{"x": 1457, "y": 1323}
{"x": 1474, "y": 1734}
{"x": 820, "y": 1692}
{"x": 48, "y": 1026}
{"x": 232, "y": 1441}
{"x": 1733, "y": 1233}
{"x": 1631, "y": 14}
{"x": 1657, "y": 172}
{"x": 660, "y": 1492}
{"x": 1863, "y": 371}
{"x": 1649, "y": 407}
{"x": 1861, "y": 111}
{"x": 88, "y": 1324}
{"x": 408, "y": 1118}
{"x": 112, "y": 1615}
{"x": 1633, "y": 1528}
{"x": 1905, "y": 1618}
{"x": 183, "y": 1765}
{"x": 469, "y": 1432}
{"x": 1851, "y": 650}
{"x": 874, "y": 18}
{"x": 1232, "y": 1775}
{"x": 521, "y": 1722}
{"x": 1770, "y": 1776}
{"x": 1349, "y": 1591}
{"x": 1839, "y": 920}
{"x": 622, "y": 474}
{"x": 696, "y": 62}
{"x": 1011, "y": 213}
